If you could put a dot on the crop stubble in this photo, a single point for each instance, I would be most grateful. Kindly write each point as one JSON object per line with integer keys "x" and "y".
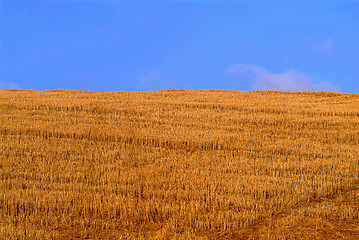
{"x": 179, "y": 164}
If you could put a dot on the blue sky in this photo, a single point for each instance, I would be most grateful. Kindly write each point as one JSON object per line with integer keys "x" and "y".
{"x": 120, "y": 45}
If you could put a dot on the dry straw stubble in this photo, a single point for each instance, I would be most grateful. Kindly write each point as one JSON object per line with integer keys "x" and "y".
{"x": 178, "y": 164}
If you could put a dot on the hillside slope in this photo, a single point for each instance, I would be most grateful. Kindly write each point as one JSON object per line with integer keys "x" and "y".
{"x": 179, "y": 164}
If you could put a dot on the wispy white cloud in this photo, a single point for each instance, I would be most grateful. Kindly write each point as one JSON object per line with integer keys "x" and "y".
{"x": 324, "y": 47}
{"x": 155, "y": 80}
{"x": 6, "y": 85}
{"x": 262, "y": 79}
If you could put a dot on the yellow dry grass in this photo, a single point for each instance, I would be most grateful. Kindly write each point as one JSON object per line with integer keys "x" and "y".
{"x": 179, "y": 165}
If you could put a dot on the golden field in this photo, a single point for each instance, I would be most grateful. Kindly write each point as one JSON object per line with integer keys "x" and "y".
{"x": 179, "y": 164}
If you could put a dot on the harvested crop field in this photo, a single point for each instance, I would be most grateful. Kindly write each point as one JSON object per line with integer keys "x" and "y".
{"x": 179, "y": 164}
